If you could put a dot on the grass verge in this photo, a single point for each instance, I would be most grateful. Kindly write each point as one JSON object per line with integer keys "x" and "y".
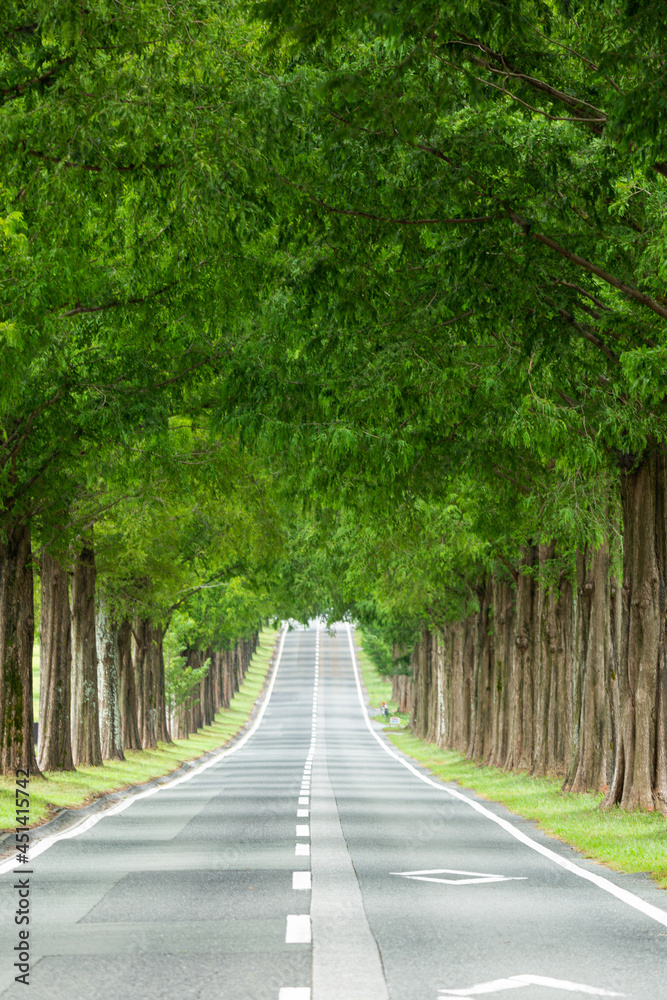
{"x": 68, "y": 789}
{"x": 625, "y": 842}
{"x": 377, "y": 686}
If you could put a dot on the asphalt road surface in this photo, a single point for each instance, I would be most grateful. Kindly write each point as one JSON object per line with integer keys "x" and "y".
{"x": 312, "y": 864}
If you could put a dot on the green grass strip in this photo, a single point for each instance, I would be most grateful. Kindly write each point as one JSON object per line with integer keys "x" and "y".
{"x": 625, "y": 842}
{"x": 69, "y": 789}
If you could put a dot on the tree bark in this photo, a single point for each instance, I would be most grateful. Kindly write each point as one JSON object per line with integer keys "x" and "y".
{"x": 590, "y": 766}
{"x": 195, "y": 722}
{"x": 161, "y": 722}
{"x": 144, "y": 666}
{"x": 54, "y": 751}
{"x": 481, "y": 722}
{"x": 237, "y": 668}
{"x": 561, "y": 722}
{"x": 520, "y": 735}
{"x": 17, "y": 626}
{"x": 228, "y": 678}
{"x": 541, "y": 628}
{"x": 422, "y": 674}
{"x": 641, "y": 774}
{"x": 404, "y": 690}
{"x": 206, "y": 691}
{"x": 106, "y": 635}
{"x": 86, "y": 747}
{"x": 129, "y": 725}
{"x": 499, "y": 680}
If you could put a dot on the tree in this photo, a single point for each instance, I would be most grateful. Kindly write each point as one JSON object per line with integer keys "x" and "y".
{"x": 456, "y": 152}
{"x": 125, "y": 216}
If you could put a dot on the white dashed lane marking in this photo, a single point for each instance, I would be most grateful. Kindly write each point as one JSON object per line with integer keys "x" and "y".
{"x": 301, "y": 880}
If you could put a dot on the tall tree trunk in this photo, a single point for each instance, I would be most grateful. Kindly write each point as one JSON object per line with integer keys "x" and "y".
{"x": 590, "y": 765}
{"x": 561, "y": 724}
{"x": 17, "y": 627}
{"x": 482, "y": 695}
{"x": 541, "y": 661}
{"x": 422, "y": 673}
{"x": 400, "y": 691}
{"x": 206, "y": 691}
{"x": 237, "y": 668}
{"x": 433, "y": 728}
{"x": 520, "y": 736}
{"x": 217, "y": 680}
{"x": 54, "y": 751}
{"x": 499, "y": 681}
{"x": 228, "y": 678}
{"x": 194, "y": 661}
{"x": 86, "y": 747}
{"x": 129, "y": 724}
{"x": 161, "y": 723}
{"x": 106, "y": 635}
{"x": 183, "y": 713}
{"x": 641, "y": 765}
{"x": 144, "y": 661}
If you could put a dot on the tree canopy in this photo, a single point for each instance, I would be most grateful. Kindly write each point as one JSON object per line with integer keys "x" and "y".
{"x": 334, "y": 308}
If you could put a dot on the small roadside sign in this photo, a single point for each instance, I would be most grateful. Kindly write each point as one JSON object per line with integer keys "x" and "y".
{"x": 394, "y": 721}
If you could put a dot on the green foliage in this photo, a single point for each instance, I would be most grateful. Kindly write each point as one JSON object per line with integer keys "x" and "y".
{"x": 331, "y": 311}
{"x": 180, "y": 679}
{"x": 380, "y": 653}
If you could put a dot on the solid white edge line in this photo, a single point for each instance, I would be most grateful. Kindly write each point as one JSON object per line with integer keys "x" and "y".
{"x": 87, "y": 824}
{"x": 654, "y": 912}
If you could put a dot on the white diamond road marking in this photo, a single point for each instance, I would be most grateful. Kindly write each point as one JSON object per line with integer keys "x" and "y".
{"x": 513, "y": 982}
{"x": 302, "y": 850}
{"x": 294, "y": 993}
{"x": 479, "y": 877}
{"x": 629, "y": 898}
{"x": 301, "y": 880}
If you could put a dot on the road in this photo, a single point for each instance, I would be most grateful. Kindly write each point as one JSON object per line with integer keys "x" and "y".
{"x": 286, "y": 871}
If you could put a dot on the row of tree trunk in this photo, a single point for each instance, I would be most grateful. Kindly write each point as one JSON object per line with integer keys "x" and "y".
{"x": 566, "y": 678}
{"x": 102, "y": 681}
{"x": 225, "y": 675}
